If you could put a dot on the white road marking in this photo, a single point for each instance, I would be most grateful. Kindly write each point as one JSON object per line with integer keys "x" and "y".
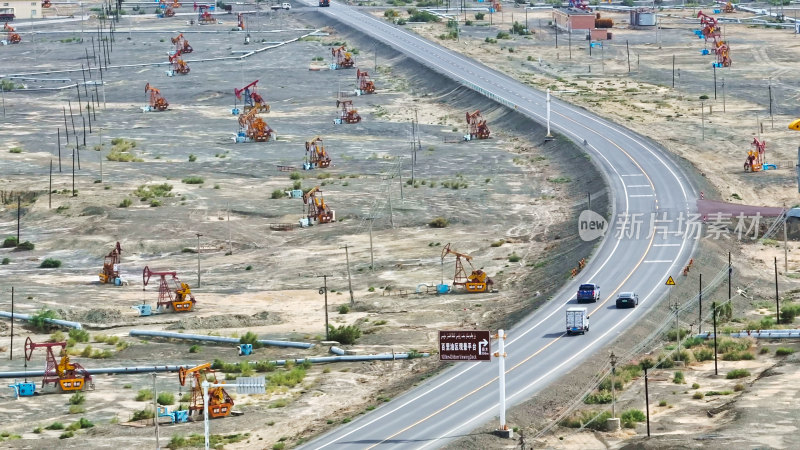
{"x": 666, "y": 245}
{"x": 658, "y": 261}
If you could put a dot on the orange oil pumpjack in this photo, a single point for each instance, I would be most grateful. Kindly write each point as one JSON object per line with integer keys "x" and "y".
{"x": 181, "y": 44}
{"x": 178, "y": 65}
{"x": 252, "y": 99}
{"x": 68, "y": 376}
{"x": 254, "y": 127}
{"x": 316, "y": 156}
{"x": 344, "y": 59}
{"x": 111, "y": 266}
{"x": 157, "y": 101}
{"x": 318, "y": 210}
{"x": 363, "y": 83}
{"x": 220, "y": 403}
{"x": 755, "y": 156}
{"x": 477, "y": 126}
{"x": 13, "y": 38}
{"x": 728, "y": 8}
{"x": 477, "y": 281}
{"x": 205, "y": 17}
{"x": 180, "y": 299}
{"x": 348, "y": 114}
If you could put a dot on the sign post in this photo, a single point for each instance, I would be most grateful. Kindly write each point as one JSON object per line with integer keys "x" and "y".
{"x": 671, "y": 282}
{"x": 467, "y": 345}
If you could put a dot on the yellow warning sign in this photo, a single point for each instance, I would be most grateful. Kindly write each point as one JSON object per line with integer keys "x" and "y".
{"x": 670, "y": 281}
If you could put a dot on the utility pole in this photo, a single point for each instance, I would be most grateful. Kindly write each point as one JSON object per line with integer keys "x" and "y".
{"x": 19, "y": 216}
{"x": 613, "y": 389}
{"x": 777, "y": 301}
{"x": 349, "y": 280}
{"x": 785, "y": 245}
{"x": 198, "y": 258}
{"x": 11, "y": 348}
{"x": 703, "y": 118}
{"x": 325, "y": 292}
{"x": 715, "y": 80}
{"x": 647, "y": 401}
{"x": 730, "y": 271}
{"x": 155, "y": 406}
{"x": 714, "y": 315}
{"x": 771, "y": 118}
{"x": 700, "y": 305}
{"x": 723, "y": 95}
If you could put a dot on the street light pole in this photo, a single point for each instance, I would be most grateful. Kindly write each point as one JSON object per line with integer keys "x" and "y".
{"x": 325, "y": 292}
{"x": 613, "y": 389}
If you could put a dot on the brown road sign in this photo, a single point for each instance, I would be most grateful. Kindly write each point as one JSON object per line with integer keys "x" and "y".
{"x": 470, "y": 345}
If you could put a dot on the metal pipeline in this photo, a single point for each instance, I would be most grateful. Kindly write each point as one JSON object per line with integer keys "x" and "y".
{"x": 329, "y": 359}
{"x": 202, "y": 337}
{"x": 107, "y": 370}
{"x": 758, "y": 334}
{"x": 337, "y": 351}
{"x": 63, "y": 323}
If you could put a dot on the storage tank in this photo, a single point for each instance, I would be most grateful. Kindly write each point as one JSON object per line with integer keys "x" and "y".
{"x": 643, "y": 18}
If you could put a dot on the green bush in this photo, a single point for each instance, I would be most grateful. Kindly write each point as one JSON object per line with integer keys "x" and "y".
{"x": 344, "y": 334}
{"x": 439, "y": 222}
{"x": 503, "y": 35}
{"x": 422, "y": 16}
{"x": 783, "y": 351}
{"x": 142, "y": 414}
{"x": 789, "y": 312}
{"x": 55, "y": 426}
{"x": 693, "y": 342}
{"x": 67, "y": 435}
{"x": 6, "y": 261}
{"x": 726, "y": 345}
{"x": 598, "y": 398}
{"x": 10, "y": 242}
{"x": 38, "y": 320}
{"x": 50, "y": 263}
{"x": 513, "y": 257}
{"x": 588, "y": 419}
{"x": 76, "y": 409}
{"x": 79, "y": 335}
{"x": 678, "y": 378}
{"x": 344, "y": 309}
{"x": 662, "y": 403}
{"x": 85, "y": 423}
{"x": 77, "y": 398}
{"x": 27, "y": 245}
{"x": 671, "y": 334}
{"x": 125, "y": 203}
{"x": 250, "y": 338}
{"x": 193, "y": 180}
{"x": 479, "y": 16}
{"x": 703, "y": 354}
{"x": 737, "y": 373}
{"x": 192, "y": 157}
{"x": 194, "y": 348}
{"x": 278, "y": 193}
{"x": 165, "y": 398}
{"x": 737, "y": 356}
{"x": 695, "y": 386}
{"x": 177, "y": 441}
{"x": 630, "y": 417}
{"x": 144, "y": 394}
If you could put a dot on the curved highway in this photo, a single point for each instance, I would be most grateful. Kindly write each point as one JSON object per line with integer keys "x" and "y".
{"x": 651, "y": 236}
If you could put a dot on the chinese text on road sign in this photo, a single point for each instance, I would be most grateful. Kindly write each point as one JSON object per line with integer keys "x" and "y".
{"x": 464, "y": 346}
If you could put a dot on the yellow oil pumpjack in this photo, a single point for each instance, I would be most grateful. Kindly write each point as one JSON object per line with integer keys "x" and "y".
{"x": 316, "y": 156}
{"x": 179, "y": 299}
{"x": 477, "y": 281}
{"x": 220, "y": 403}
{"x": 318, "y": 210}
{"x": 111, "y": 266}
{"x": 68, "y": 376}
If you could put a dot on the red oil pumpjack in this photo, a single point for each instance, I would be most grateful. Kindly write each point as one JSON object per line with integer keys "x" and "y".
{"x": 344, "y": 59}
{"x": 583, "y": 5}
{"x": 179, "y": 298}
{"x": 252, "y": 99}
{"x": 477, "y": 281}
{"x": 318, "y": 210}
{"x": 64, "y": 374}
{"x": 157, "y": 101}
{"x": 477, "y": 126}
{"x": 363, "y": 84}
{"x": 348, "y": 114}
{"x": 755, "y": 156}
{"x": 220, "y": 403}
{"x": 181, "y": 44}
{"x": 316, "y": 156}
{"x": 254, "y": 127}
{"x": 204, "y": 17}
{"x": 178, "y": 65}
{"x": 111, "y": 266}
{"x": 12, "y": 38}
{"x": 46, "y": 4}
{"x": 711, "y": 30}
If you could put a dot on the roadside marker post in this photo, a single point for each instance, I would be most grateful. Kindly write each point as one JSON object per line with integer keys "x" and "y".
{"x": 671, "y": 282}
{"x": 503, "y": 430}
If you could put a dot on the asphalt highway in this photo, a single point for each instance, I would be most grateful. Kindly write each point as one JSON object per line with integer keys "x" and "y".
{"x": 651, "y": 236}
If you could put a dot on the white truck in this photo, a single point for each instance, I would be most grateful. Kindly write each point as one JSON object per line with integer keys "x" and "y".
{"x": 284, "y": 5}
{"x": 577, "y": 321}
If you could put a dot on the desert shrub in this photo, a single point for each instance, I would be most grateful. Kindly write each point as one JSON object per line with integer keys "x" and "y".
{"x": 38, "y": 320}
{"x": 278, "y": 193}
{"x": 678, "y": 378}
{"x": 192, "y": 157}
{"x": 76, "y": 409}
{"x": 693, "y": 342}
{"x": 147, "y": 192}
{"x": 288, "y": 378}
{"x": 27, "y": 245}
{"x": 712, "y": 393}
{"x": 703, "y": 354}
{"x": 391, "y": 14}
{"x": 193, "y": 180}
{"x": 479, "y": 16}
{"x": 6, "y": 261}
{"x": 439, "y": 222}
{"x": 662, "y": 403}
{"x": 737, "y": 356}
{"x": 783, "y": 351}
{"x": 630, "y": 417}
{"x": 344, "y": 309}
{"x": 345, "y": 334}
{"x": 513, "y": 257}
{"x": 67, "y": 435}
{"x": 250, "y": 338}
{"x": 726, "y": 345}
{"x": 415, "y": 15}
{"x": 503, "y": 35}
{"x": 695, "y": 386}
{"x": 789, "y": 312}
{"x": 588, "y": 419}
{"x": 10, "y": 242}
{"x": 739, "y": 387}
{"x": 84, "y": 423}
{"x": 79, "y": 335}
{"x": 55, "y": 426}
{"x": 77, "y": 398}
{"x": 598, "y": 398}
{"x": 87, "y": 351}
{"x": 144, "y": 394}
{"x": 125, "y": 203}
{"x": 165, "y": 398}
{"x": 666, "y": 361}
{"x": 737, "y": 373}
{"x": 194, "y": 348}
{"x": 50, "y": 263}
{"x": 177, "y": 441}
{"x": 122, "y": 151}
{"x": 142, "y": 414}
{"x": 671, "y": 334}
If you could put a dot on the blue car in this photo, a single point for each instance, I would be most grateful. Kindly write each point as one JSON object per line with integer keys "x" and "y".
{"x": 588, "y": 292}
